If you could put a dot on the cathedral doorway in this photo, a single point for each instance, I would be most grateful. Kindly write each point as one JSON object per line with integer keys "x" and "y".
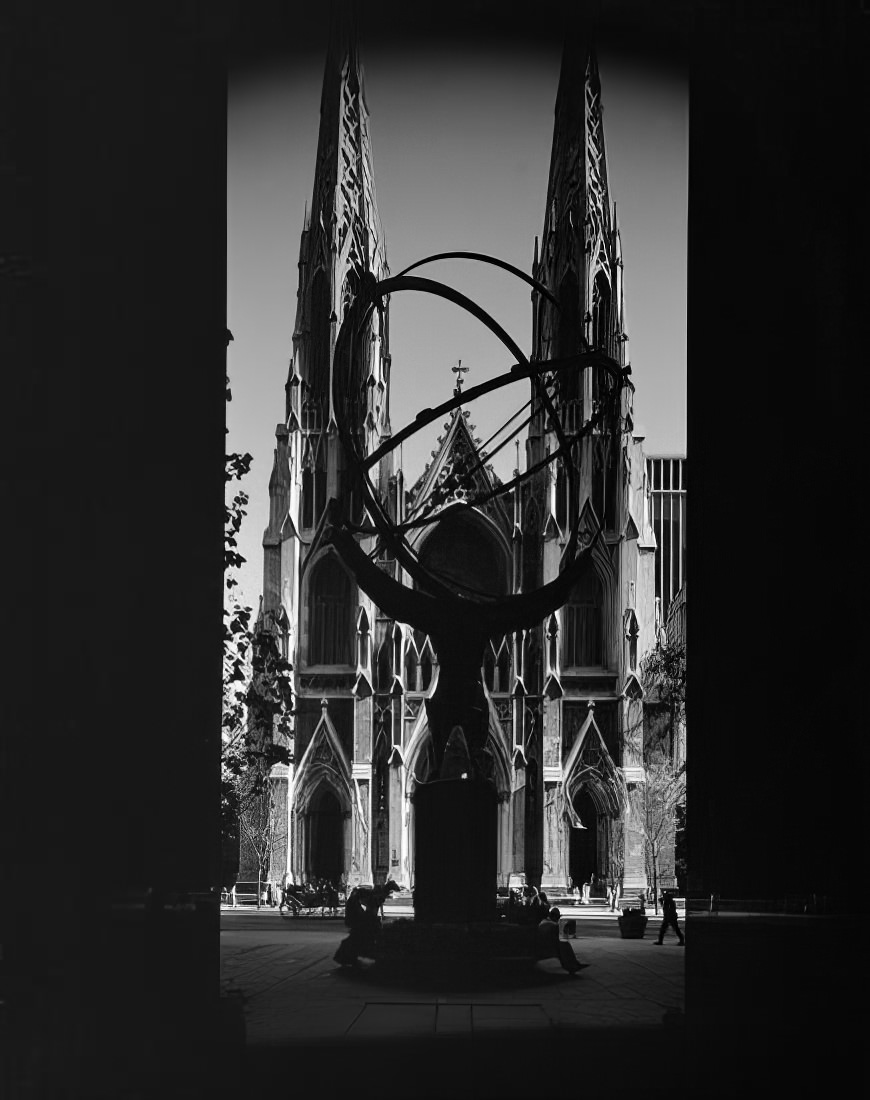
{"x": 326, "y": 837}
{"x": 583, "y": 847}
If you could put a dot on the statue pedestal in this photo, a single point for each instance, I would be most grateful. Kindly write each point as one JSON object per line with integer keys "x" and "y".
{"x": 456, "y": 858}
{"x": 452, "y": 955}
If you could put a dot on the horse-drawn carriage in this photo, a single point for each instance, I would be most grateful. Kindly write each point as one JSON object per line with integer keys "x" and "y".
{"x": 305, "y": 900}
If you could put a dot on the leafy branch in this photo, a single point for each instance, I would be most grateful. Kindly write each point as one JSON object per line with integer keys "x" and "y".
{"x": 257, "y": 711}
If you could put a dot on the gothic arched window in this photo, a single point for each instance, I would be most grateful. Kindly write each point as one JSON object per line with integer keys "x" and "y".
{"x": 412, "y": 668}
{"x": 568, "y": 331}
{"x": 561, "y": 494}
{"x": 601, "y": 321}
{"x": 582, "y": 642}
{"x": 532, "y": 663}
{"x": 332, "y": 628}
{"x": 349, "y": 291}
{"x": 384, "y": 671}
{"x": 531, "y": 549}
{"x": 568, "y": 343}
{"x": 319, "y": 336}
{"x": 313, "y": 480}
{"x": 503, "y": 668}
{"x": 307, "y": 497}
{"x": 426, "y": 668}
{"x": 489, "y": 667}
{"x": 605, "y": 468}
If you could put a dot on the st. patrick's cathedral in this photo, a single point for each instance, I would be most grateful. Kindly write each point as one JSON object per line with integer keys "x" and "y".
{"x": 566, "y": 704}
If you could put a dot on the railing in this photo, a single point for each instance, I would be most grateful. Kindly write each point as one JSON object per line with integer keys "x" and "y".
{"x": 800, "y": 904}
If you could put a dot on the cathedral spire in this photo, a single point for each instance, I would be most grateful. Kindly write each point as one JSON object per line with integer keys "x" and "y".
{"x": 578, "y": 256}
{"x": 342, "y": 242}
{"x": 580, "y": 264}
{"x": 344, "y": 204}
{"x": 578, "y": 201}
{"x": 341, "y": 247}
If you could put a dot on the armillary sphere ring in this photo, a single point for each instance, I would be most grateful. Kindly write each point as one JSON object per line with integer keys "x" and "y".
{"x": 350, "y": 401}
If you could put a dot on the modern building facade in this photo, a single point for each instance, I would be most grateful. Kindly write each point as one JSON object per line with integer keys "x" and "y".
{"x": 667, "y": 482}
{"x": 565, "y": 699}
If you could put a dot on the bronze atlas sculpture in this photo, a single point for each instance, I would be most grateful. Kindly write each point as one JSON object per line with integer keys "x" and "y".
{"x": 456, "y": 812}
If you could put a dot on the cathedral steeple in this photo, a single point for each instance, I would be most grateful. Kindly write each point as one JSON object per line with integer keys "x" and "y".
{"x": 580, "y": 263}
{"x": 342, "y": 244}
{"x": 579, "y": 238}
{"x": 342, "y": 240}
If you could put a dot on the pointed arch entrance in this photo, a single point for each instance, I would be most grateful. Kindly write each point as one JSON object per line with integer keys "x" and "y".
{"x": 583, "y": 853}
{"x": 594, "y": 795}
{"x": 325, "y": 836}
{"x": 322, "y": 806}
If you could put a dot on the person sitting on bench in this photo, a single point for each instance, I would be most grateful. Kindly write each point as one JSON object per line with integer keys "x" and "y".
{"x": 549, "y": 946}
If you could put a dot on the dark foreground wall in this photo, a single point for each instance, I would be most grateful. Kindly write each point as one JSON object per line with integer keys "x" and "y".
{"x": 113, "y": 294}
{"x": 113, "y": 183}
{"x": 775, "y": 215}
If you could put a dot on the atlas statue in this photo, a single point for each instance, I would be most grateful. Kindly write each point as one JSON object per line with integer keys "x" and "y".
{"x": 458, "y": 806}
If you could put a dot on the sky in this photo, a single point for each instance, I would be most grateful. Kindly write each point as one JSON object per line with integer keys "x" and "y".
{"x": 461, "y": 144}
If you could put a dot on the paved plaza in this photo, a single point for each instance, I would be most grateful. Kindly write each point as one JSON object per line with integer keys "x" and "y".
{"x": 488, "y": 1034}
{"x": 294, "y": 991}
{"x": 750, "y": 1003}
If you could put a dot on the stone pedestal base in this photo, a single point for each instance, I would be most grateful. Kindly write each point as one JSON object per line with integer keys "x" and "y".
{"x": 421, "y": 949}
{"x": 456, "y": 851}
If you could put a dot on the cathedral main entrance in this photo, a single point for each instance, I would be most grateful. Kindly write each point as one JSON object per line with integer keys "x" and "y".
{"x": 583, "y": 849}
{"x": 326, "y": 838}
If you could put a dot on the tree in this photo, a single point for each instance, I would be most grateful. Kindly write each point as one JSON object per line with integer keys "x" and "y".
{"x": 615, "y": 856}
{"x": 257, "y": 678}
{"x": 663, "y": 795}
{"x": 663, "y": 791}
{"x": 259, "y": 823}
{"x": 258, "y": 710}
{"x": 663, "y": 674}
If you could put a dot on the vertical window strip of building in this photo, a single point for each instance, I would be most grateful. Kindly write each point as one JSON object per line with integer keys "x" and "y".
{"x": 666, "y": 476}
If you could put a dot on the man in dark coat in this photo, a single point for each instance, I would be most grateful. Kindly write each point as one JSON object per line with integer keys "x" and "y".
{"x": 361, "y": 915}
{"x": 669, "y": 909}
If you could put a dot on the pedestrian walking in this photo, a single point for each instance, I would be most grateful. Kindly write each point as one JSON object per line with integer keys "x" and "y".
{"x": 669, "y": 909}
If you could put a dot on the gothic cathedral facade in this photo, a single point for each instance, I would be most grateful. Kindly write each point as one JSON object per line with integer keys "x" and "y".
{"x": 565, "y": 699}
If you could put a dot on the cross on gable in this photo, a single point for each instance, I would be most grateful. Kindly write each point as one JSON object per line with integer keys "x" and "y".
{"x": 459, "y": 370}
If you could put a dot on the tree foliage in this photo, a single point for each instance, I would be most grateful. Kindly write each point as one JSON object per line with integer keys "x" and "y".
{"x": 257, "y": 679}
{"x": 663, "y": 673}
{"x": 663, "y": 791}
{"x": 663, "y": 794}
{"x": 259, "y": 824}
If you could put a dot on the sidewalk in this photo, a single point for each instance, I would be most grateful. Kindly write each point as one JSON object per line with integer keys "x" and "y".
{"x": 762, "y": 993}
{"x": 294, "y": 992}
{"x": 501, "y": 1034}
{"x": 402, "y": 908}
